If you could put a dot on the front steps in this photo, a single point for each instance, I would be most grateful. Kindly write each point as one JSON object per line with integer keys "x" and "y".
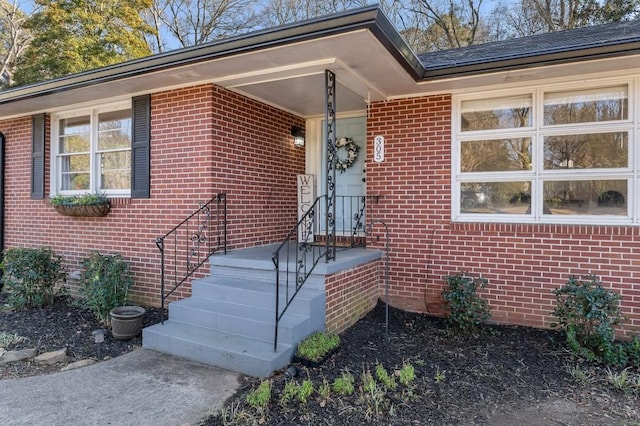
{"x": 229, "y": 320}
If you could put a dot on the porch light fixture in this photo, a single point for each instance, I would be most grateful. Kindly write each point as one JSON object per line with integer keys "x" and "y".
{"x": 298, "y": 135}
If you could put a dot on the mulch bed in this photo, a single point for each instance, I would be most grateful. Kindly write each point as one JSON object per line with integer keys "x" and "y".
{"x": 55, "y": 327}
{"x": 459, "y": 380}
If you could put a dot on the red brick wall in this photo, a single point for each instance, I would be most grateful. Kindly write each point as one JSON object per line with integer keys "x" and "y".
{"x": 523, "y": 263}
{"x": 350, "y": 295}
{"x": 204, "y": 140}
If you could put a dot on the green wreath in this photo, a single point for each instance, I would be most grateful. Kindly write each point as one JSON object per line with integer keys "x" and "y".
{"x": 352, "y": 153}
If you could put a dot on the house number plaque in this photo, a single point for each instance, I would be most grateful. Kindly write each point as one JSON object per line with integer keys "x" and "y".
{"x": 378, "y": 149}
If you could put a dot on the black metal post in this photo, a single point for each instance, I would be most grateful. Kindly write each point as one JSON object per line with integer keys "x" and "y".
{"x": 330, "y": 131}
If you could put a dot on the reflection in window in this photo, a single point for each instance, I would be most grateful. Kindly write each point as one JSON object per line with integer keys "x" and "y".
{"x": 586, "y": 197}
{"x": 590, "y": 151}
{"x": 495, "y": 197}
{"x": 497, "y": 113}
{"x": 496, "y": 155}
{"x": 589, "y": 105}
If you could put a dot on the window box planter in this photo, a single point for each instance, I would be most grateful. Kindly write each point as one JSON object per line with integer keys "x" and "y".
{"x": 94, "y": 210}
{"x": 85, "y": 205}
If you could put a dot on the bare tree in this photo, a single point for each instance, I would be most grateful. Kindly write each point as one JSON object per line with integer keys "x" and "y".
{"x": 14, "y": 39}
{"x": 194, "y": 22}
{"x": 451, "y": 23}
{"x": 280, "y": 12}
{"x": 155, "y": 17}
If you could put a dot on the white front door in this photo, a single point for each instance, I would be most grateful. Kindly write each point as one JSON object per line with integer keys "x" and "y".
{"x": 350, "y": 182}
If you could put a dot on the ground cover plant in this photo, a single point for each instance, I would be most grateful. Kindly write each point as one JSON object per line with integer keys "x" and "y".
{"x": 426, "y": 375}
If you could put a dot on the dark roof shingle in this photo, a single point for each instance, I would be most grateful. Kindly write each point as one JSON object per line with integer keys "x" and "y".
{"x": 567, "y": 45}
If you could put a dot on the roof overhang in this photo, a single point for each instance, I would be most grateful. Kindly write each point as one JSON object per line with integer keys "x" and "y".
{"x": 283, "y": 66}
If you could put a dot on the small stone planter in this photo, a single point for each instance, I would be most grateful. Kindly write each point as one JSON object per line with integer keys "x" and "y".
{"x": 126, "y": 322}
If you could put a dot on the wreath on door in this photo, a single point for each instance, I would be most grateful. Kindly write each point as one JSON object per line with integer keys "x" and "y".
{"x": 352, "y": 153}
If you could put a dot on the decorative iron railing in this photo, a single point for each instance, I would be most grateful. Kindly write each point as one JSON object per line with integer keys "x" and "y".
{"x": 302, "y": 249}
{"x": 188, "y": 246}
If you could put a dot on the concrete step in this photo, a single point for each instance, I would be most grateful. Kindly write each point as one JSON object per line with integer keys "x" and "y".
{"x": 257, "y": 294}
{"x": 237, "y": 353}
{"x": 268, "y": 275}
{"x": 240, "y": 319}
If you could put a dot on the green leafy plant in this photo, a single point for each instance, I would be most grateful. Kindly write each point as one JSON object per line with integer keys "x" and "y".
{"x": 259, "y": 398}
{"x": 387, "y": 380}
{"x": 289, "y": 392}
{"x": 632, "y": 348}
{"x": 622, "y": 381}
{"x": 325, "y": 392}
{"x": 9, "y": 339}
{"x": 317, "y": 345}
{"x": 466, "y": 311}
{"x": 104, "y": 283}
{"x": 344, "y": 385}
{"x": 583, "y": 377}
{"x": 407, "y": 374}
{"x": 301, "y": 392}
{"x": 588, "y": 313}
{"x": 440, "y": 376}
{"x": 88, "y": 199}
{"x": 32, "y": 276}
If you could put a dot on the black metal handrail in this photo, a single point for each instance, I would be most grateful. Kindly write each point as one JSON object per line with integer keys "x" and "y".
{"x": 188, "y": 246}
{"x": 301, "y": 240}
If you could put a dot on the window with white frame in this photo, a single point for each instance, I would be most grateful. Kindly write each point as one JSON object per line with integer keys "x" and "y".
{"x": 91, "y": 151}
{"x": 547, "y": 155}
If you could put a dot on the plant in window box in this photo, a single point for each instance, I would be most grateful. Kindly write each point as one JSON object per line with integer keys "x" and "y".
{"x": 316, "y": 348}
{"x": 87, "y": 205}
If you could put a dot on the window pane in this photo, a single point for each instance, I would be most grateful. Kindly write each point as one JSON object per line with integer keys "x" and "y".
{"x": 583, "y": 106}
{"x": 496, "y": 155}
{"x": 75, "y": 125}
{"x": 114, "y": 130}
{"x": 595, "y": 151}
{"x": 115, "y": 170}
{"x": 498, "y": 113}
{"x": 74, "y": 172}
{"x": 495, "y": 197}
{"x": 591, "y": 197}
{"x": 74, "y": 134}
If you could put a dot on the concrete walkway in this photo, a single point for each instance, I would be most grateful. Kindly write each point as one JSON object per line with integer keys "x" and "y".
{"x": 142, "y": 387}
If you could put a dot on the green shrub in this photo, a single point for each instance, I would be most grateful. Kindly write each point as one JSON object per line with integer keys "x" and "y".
{"x": 31, "y": 276}
{"x": 104, "y": 284}
{"x": 317, "y": 345}
{"x": 632, "y": 348}
{"x": 466, "y": 312}
{"x": 587, "y": 313}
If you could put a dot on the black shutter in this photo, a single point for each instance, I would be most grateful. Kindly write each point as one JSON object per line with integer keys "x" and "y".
{"x": 37, "y": 156}
{"x": 141, "y": 147}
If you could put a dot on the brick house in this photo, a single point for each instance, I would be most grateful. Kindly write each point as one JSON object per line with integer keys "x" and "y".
{"x": 516, "y": 160}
